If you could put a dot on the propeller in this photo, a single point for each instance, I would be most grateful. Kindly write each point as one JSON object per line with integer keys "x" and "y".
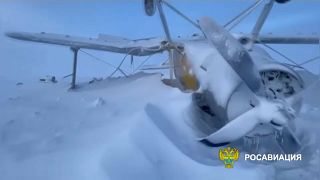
{"x": 276, "y": 112}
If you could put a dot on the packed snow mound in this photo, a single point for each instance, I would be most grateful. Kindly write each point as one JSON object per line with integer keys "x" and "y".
{"x": 103, "y": 130}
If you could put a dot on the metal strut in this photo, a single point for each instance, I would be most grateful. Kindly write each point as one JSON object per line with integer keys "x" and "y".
{"x": 180, "y": 13}
{"x": 261, "y": 20}
{"x": 236, "y": 20}
{"x": 132, "y": 64}
{"x": 167, "y": 32}
{"x": 74, "y": 71}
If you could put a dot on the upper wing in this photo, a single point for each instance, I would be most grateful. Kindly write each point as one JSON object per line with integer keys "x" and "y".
{"x": 276, "y": 39}
{"x": 140, "y": 47}
{"x": 270, "y": 39}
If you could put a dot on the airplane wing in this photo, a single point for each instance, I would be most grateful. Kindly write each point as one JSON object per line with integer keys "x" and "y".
{"x": 270, "y": 39}
{"x": 140, "y": 47}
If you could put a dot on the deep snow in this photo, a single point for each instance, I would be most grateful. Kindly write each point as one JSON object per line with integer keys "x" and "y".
{"x": 102, "y": 131}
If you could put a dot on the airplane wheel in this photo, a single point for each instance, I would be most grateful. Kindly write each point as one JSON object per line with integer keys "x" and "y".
{"x": 150, "y": 7}
{"x": 282, "y": 1}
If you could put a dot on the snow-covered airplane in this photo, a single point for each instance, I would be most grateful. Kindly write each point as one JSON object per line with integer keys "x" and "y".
{"x": 235, "y": 83}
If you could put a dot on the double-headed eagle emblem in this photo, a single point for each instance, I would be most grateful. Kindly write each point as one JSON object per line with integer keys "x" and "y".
{"x": 228, "y": 156}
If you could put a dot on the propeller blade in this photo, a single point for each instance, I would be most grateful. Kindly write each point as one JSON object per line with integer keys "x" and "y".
{"x": 232, "y": 51}
{"x": 234, "y": 130}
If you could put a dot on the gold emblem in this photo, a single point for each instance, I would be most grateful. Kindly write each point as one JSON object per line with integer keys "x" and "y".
{"x": 228, "y": 156}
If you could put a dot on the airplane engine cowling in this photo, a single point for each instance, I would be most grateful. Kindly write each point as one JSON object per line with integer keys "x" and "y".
{"x": 281, "y": 82}
{"x": 278, "y": 82}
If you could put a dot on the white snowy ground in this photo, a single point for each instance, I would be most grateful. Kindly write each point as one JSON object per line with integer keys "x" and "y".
{"x": 101, "y": 131}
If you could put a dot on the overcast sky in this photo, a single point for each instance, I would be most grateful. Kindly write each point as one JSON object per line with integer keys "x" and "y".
{"x": 20, "y": 60}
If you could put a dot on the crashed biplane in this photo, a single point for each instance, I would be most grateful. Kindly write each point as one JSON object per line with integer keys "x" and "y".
{"x": 234, "y": 81}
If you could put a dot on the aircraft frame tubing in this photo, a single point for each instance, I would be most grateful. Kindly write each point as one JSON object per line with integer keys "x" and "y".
{"x": 75, "y": 51}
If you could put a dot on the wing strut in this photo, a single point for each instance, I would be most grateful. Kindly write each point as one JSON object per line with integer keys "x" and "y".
{"x": 262, "y": 18}
{"x": 74, "y": 71}
{"x": 166, "y": 30}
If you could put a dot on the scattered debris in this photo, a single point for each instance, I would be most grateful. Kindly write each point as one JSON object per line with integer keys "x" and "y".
{"x": 14, "y": 98}
{"x": 99, "y": 102}
{"x": 48, "y": 78}
{"x": 95, "y": 80}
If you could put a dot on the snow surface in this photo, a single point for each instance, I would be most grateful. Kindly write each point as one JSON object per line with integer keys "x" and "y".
{"x": 102, "y": 131}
